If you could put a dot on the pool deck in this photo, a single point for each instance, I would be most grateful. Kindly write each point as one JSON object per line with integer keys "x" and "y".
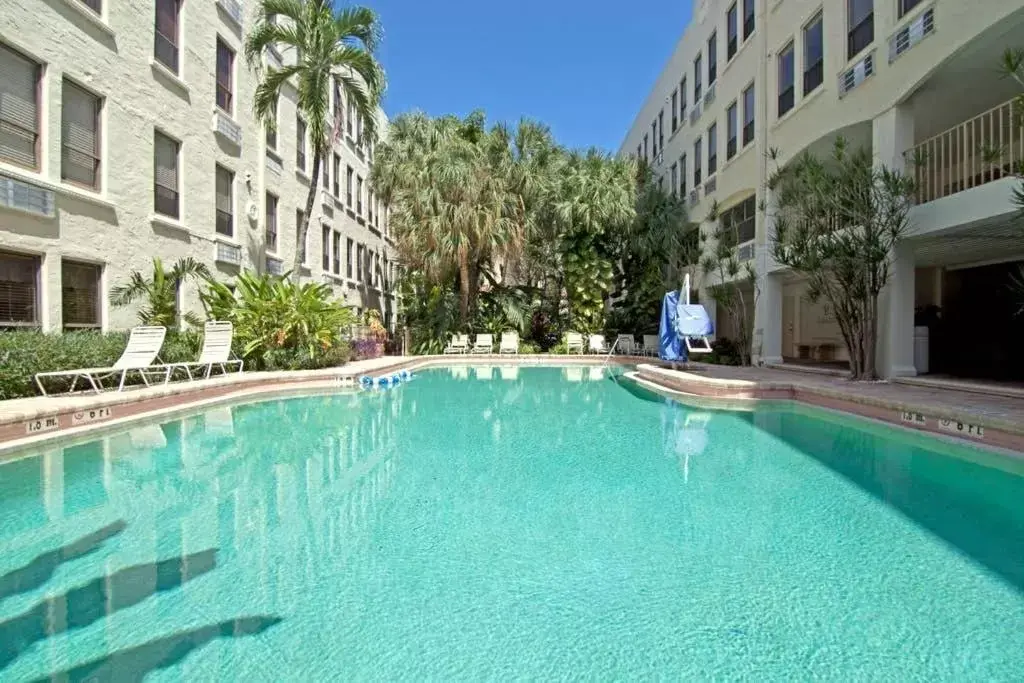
{"x": 984, "y": 419}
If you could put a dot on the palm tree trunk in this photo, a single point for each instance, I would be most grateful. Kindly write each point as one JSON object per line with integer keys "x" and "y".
{"x": 464, "y": 290}
{"x": 303, "y": 227}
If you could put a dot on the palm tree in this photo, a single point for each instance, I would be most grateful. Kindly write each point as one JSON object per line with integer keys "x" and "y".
{"x": 330, "y": 46}
{"x": 160, "y": 292}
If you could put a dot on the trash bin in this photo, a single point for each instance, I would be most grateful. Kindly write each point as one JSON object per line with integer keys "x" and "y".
{"x": 921, "y": 350}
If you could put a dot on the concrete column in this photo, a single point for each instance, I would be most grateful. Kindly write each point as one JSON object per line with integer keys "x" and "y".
{"x": 768, "y": 320}
{"x": 895, "y": 355}
{"x": 50, "y": 313}
{"x": 892, "y": 133}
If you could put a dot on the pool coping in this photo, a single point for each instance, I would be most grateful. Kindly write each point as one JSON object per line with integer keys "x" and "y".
{"x": 965, "y": 426}
{"x": 40, "y": 421}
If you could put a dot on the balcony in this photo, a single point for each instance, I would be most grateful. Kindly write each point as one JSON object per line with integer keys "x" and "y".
{"x": 226, "y": 127}
{"x": 857, "y": 74}
{"x": 978, "y": 151}
{"x": 911, "y": 34}
{"x": 233, "y": 9}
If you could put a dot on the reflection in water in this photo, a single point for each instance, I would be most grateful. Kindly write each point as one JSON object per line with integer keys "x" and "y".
{"x": 92, "y": 601}
{"x": 41, "y": 569}
{"x": 133, "y": 664}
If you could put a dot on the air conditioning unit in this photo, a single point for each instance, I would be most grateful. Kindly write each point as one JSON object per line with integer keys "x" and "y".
{"x": 694, "y": 196}
{"x": 274, "y": 266}
{"x": 224, "y": 126}
{"x": 228, "y": 253}
{"x": 710, "y": 185}
{"x": 857, "y": 74}
{"x": 709, "y": 96}
{"x": 17, "y": 194}
{"x": 695, "y": 113}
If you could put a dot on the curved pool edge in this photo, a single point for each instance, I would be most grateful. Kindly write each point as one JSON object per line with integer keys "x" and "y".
{"x": 994, "y": 435}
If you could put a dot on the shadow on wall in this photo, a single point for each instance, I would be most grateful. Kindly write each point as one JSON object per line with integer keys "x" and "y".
{"x": 133, "y": 664}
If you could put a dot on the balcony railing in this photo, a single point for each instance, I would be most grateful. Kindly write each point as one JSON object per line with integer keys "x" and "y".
{"x": 979, "y": 151}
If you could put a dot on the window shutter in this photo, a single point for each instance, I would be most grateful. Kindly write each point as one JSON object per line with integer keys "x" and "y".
{"x": 80, "y": 294}
{"x": 19, "y": 111}
{"x": 166, "y": 162}
{"x": 18, "y": 288}
{"x": 79, "y": 138}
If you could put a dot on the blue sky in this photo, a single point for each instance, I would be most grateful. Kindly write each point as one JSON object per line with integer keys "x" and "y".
{"x": 581, "y": 66}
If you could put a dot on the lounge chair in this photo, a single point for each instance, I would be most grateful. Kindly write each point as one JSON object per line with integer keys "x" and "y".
{"x": 650, "y": 345}
{"x": 597, "y": 344}
{"x": 143, "y": 346}
{"x": 484, "y": 343}
{"x": 573, "y": 342}
{"x": 509, "y": 342}
{"x": 625, "y": 344}
{"x": 216, "y": 350}
{"x": 458, "y": 344}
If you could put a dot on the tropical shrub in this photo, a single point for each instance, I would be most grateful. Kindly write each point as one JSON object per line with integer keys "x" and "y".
{"x": 159, "y": 293}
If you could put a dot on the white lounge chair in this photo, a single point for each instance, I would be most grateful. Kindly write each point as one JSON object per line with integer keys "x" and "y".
{"x": 509, "y": 342}
{"x": 458, "y": 344}
{"x": 651, "y": 344}
{"x": 597, "y": 344}
{"x": 143, "y": 346}
{"x": 625, "y": 344}
{"x": 216, "y": 350}
{"x": 484, "y": 343}
{"x": 573, "y": 342}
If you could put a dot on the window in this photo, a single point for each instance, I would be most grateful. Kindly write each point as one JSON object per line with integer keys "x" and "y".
{"x": 674, "y": 176}
{"x": 748, "y": 115}
{"x": 336, "y": 101}
{"x": 225, "y": 201}
{"x": 348, "y": 257}
{"x": 712, "y": 58}
{"x": 225, "y": 66}
{"x": 359, "y": 263}
{"x": 638, "y": 151}
{"x": 860, "y": 26}
{"x": 300, "y": 143}
{"x": 814, "y": 55}
{"x": 272, "y": 128}
{"x": 79, "y": 294}
{"x": 697, "y": 79}
{"x": 327, "y": 175}
{"x": 376, "y": 212}
{"x": 738, "y": 223}
{"x": 349, "y": 175}
{"x": 661, "y": 130}
{"x": 904, "y": 6}
{"x": 654, "y": 138}
{"x": 165, "y": 175}
{"x": 712, "y": 149}
{"x": 80, "y": 136}
{"x": 682, "y": 100}
{"x": 696, "y": 162}
{"x": 731, "y": 33}
{"x": 95, "y": 5}
{"x": 369, "y": 205}
{"x": 675, "y": 111}
{"x": 325, "y": 248}
{"x": 19, "y": 108}
{"x": 348, "y": 119}
{"x": 19, "y": 290}
{"x": 786, "y": 92}
{"x": 165, "y": 49}
{"x": 748, "y": 18}
{"x": 299, "y": 215}
{"x": 645, "y": 147}
{"x": 336, "y": 253}
{"x": 731, "y": 131}
{"x": 271, "y": 222}
{"x": 682, "y": 177}
{"x": 359, "y": 195}
{"x": 337, "y": 175}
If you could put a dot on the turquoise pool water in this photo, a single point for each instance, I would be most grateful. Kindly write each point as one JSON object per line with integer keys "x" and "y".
{"x": 540, "y": 524}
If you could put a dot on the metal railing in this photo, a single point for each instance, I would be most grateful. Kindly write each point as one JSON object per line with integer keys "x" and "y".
{"x": 980, "y": 150}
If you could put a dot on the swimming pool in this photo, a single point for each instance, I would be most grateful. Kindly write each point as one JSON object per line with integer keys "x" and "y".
{"x": 511, "y": 523}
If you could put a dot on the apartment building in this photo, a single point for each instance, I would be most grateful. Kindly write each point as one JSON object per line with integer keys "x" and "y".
{"x": 127, "y": 133}
{"x": 917, "y": 82}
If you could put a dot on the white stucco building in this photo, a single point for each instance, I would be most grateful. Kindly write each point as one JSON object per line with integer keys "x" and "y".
{"x": 127, "y": 133}
{"x": 907, "y": 78}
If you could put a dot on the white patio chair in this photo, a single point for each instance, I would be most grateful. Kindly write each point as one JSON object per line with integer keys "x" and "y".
{"x": 509, "y": 342}
{"x": 484, "y": 343}
{"x": 597, "y": 344}
{"x": 573, "y": 342}
{"x": 143, "y": 346}
{"x": 217, "y": 337}
{"x": 458, "y": 344}
{"x": 651, "y": 344}
{"x": 625, "y": 344}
